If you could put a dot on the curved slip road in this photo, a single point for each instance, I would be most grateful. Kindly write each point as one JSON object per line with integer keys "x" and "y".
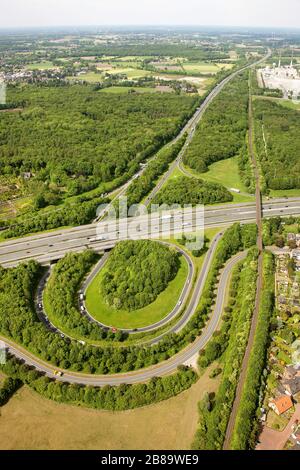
{"x": 163, "y": 368}
{"x": 185, "y": 294}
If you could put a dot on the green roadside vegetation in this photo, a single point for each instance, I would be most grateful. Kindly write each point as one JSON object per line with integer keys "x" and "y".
{"x": 220, "y": 136}
{"x": 7, "y": 388}
{"x": 123, "y": 397}
{"x": 142, "y": 186}
{"x": 214, "y": 412}
{"x": 186, "y": 190}
{"x": 19, "y": 283}
{"x": 246, "y": 427}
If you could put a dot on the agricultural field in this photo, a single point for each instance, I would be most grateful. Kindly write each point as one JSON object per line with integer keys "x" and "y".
{"x": 29, "y": 421}
{"x": 43, "y": 65}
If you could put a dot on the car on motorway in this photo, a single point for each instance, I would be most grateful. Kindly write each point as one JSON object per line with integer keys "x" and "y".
{"x": 58, "y": 373}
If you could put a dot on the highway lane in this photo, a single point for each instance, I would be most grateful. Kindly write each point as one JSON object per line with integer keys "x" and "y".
{"x": 54, "y": 245}
{"x": 142, "y": 375}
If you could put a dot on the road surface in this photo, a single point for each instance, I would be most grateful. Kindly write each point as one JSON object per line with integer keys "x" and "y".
{"x": 54, "y": 245}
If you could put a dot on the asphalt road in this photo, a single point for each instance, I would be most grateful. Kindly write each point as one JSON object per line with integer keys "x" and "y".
{"x": 142, "y": 375}
{"x": 54, "y": 245}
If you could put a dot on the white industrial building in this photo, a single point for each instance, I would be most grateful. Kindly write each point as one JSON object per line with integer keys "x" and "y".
{"x": 285, "y": 78}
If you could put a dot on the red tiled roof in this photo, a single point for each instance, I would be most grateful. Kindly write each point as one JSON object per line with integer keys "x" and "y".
{"x": 283, "y": 404}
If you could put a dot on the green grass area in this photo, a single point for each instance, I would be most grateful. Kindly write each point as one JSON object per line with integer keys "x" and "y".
{"x": 130, "y": 72}
{"x": 43, "y": 65}
{"x": 284, "y": 193}
{"x": 124, "y": 89}
{"x": 224, "y": 172}
{"x": 154, "y": 312}
{"x": 90, "y": 77}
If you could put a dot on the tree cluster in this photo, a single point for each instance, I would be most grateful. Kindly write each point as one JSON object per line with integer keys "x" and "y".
{"x": 137, "y": 272}
{"x": 186, "y": 190}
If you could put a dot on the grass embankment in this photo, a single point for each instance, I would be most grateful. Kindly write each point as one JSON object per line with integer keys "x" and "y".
{"x": 148, "y": 315}
{"x": 225, "y": 172}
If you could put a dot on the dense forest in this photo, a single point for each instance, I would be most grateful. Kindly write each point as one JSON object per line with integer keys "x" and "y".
{"x": 146, "y": 182}
{"x": 185, "y": 190}
{"x": 137, "y": 272}
{"x": 278, "y": 144}
{"x": 75, "y": 139}
{"x": 221, "y": 132}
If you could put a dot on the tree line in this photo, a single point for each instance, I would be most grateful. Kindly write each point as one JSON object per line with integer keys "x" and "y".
{"x": 186, "y": 190}
{"x": 278, "y": 144}
{"x": 214, "y": 416}
{"x": 247, "y": 426}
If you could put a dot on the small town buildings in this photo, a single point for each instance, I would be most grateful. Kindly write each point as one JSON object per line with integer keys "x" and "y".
{"x": 281, "y": 404}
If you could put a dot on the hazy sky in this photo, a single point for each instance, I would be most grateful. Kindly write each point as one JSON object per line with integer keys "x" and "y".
{"x": 274, "y": 13}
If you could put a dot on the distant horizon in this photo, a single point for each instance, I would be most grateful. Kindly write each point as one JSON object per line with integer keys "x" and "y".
{"x": 154, "y": 26}
{"x": 21, "y": 14}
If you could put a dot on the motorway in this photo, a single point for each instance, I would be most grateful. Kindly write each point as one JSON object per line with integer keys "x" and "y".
{"x": 104, "y": 235}
{"x": 142, "y": 375}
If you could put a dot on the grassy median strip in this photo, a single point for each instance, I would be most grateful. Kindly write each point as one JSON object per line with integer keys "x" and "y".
{"x": 152, "y": 313}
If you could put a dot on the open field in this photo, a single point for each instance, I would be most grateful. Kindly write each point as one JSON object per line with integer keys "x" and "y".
{"x": 205, "y": 68}
{"x": 154, "y": 312}
{"x": 285, "y": 192}
{"x": 124, "y": 89}
{"x": 29, "y": 421}
{"x": 43, "y": 65}
{"x": 224, "y": 172}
